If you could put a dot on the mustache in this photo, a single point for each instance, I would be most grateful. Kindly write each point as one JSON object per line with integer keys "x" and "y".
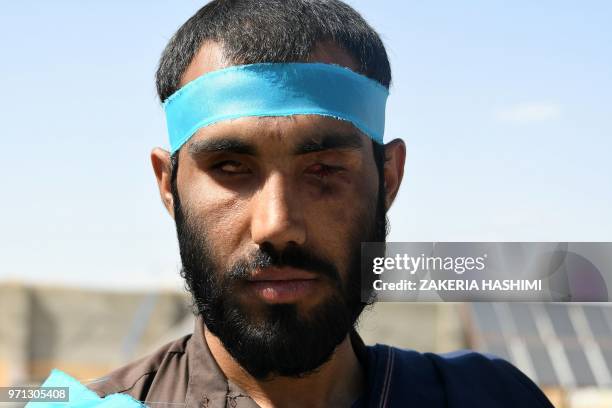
{"x": 293, "y": 256}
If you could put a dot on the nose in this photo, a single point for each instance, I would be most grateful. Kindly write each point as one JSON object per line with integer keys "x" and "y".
{"x": 277, "y": 214}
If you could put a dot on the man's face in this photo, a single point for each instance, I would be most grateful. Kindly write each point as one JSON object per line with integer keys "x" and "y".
{"x": 270, "y": 215}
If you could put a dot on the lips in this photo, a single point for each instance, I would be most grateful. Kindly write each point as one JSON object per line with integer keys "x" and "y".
{"x": 283, "y": 285}
{"x": 285, "y": 273}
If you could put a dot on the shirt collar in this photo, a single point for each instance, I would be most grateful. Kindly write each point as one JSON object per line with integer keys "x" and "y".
{"x": 209, "y": 388}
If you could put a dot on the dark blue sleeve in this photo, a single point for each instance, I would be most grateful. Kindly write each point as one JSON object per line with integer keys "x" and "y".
{"x": 475, "y": 380}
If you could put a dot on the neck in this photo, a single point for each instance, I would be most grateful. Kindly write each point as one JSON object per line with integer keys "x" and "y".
{"x": 337, "y": 383}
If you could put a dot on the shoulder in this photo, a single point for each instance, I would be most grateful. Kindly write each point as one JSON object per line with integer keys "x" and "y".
{"x": 136, "y": 377}
{"x": 467, "y": 370}
{"x": 466, "y": 378}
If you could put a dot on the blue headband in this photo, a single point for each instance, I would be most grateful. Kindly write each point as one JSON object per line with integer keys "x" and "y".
{"x": 276, "y": 90}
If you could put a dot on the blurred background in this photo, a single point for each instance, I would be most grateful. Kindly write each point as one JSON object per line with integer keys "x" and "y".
{"x": 505, "y": 108}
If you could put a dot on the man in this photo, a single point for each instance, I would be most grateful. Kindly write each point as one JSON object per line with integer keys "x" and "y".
{"x": 276, "y": 175}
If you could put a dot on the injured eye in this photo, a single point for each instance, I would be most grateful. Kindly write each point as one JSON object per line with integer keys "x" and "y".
{"x": 231, "y": 167}
{"x": 321, "y": 170}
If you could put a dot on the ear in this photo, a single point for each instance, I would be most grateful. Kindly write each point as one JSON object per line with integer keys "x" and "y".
{"x": 395, "y": 157}
{"x": 160, "y": 159}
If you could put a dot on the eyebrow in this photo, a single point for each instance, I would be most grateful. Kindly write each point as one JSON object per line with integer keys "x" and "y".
{"x": 330, "y": 141}
{"x": 222, "y": 145}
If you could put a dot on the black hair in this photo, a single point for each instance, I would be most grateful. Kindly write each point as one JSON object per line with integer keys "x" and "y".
{"x": 255, "y": 31}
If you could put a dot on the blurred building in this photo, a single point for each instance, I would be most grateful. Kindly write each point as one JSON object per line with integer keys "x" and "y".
{"x": 565, "y": 348}
{"x": 83, "y": 332}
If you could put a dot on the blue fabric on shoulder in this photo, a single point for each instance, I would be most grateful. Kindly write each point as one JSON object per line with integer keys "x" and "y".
{"x": 82, "y": 397}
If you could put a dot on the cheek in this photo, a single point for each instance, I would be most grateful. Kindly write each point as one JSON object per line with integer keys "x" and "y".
{"x": 336, "y": 216}
{"x": 220, "y": 214}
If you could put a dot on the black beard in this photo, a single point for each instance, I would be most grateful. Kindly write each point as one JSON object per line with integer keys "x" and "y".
{"x": 280, "y": 342}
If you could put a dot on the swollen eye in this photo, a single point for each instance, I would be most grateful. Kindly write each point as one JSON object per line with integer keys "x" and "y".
{"x": 323, "y": 170}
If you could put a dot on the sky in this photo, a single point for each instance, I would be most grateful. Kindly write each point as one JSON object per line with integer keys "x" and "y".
{"x": 505, "y": 108}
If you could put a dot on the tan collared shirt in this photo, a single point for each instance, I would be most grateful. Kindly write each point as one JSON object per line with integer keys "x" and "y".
{"x": 182, "y": 373}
